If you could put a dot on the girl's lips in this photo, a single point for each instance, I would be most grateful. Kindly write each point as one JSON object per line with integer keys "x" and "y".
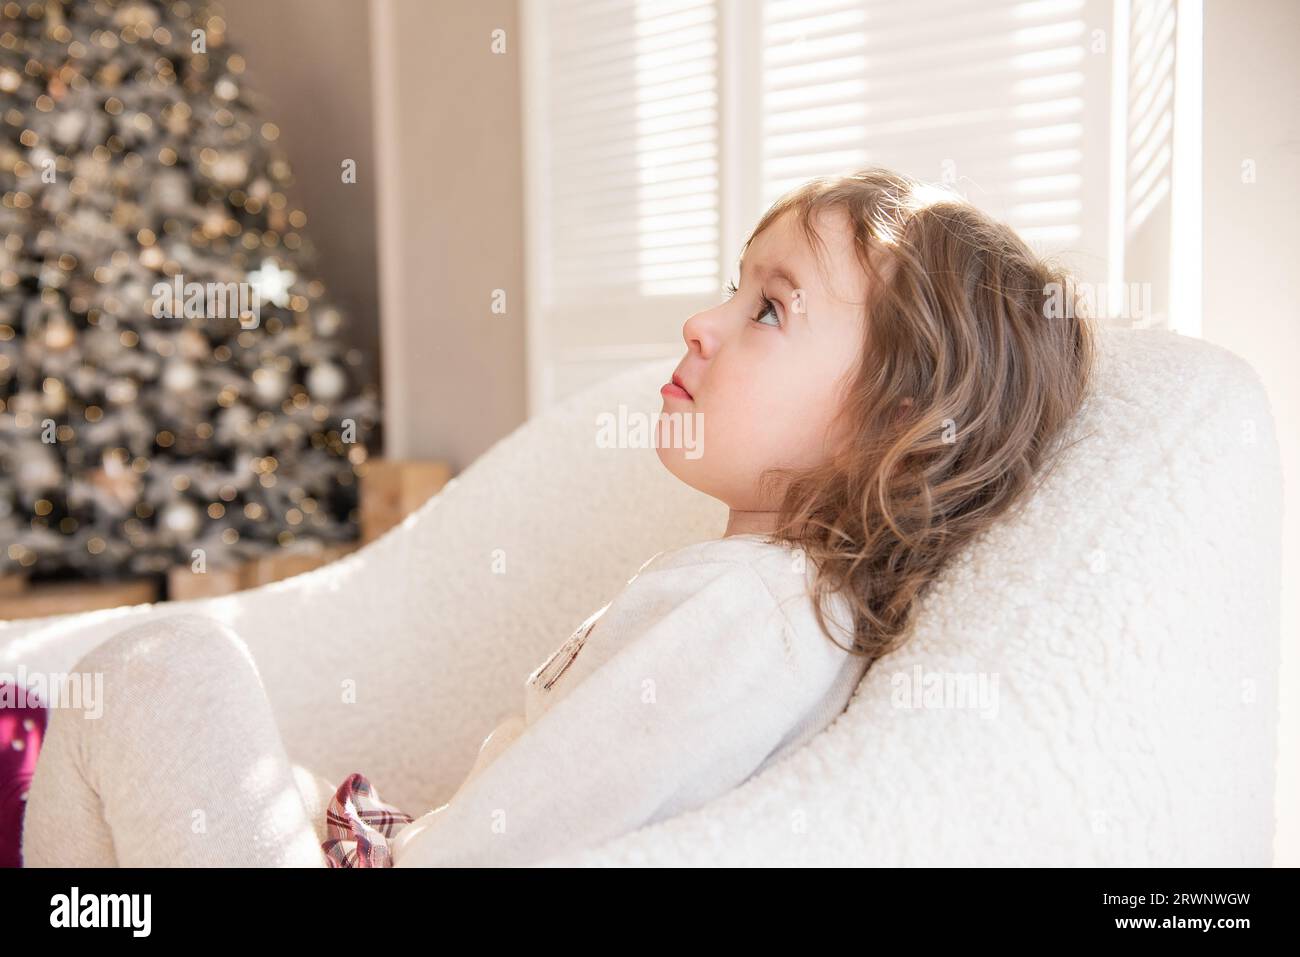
{"x": 671, "y": 390}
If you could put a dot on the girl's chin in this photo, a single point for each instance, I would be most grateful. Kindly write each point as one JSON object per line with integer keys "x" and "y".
{"x": 675, "y": 461}
{"x": 687, "y": 467}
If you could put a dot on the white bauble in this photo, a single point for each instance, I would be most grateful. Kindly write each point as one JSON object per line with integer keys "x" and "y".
{"x": 180, "y": 519}
{"x": 38, "y": 469}
{"x": 326, "y": 381}
{"x": 234, "y": 423}
{"x": 328, "y": 321}
{"x": 121, "y": 391}
{"x": 260, "y": 189}
{"x": 180, "y": 376}
{"x": 230, "y": 169}
{"x": 269, "y": 385}
{"x": 226, "y": 88}
{"x": 69, "y": 127}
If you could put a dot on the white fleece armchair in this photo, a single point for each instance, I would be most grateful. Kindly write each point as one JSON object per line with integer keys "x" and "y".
{"x": 1121, "y": 633}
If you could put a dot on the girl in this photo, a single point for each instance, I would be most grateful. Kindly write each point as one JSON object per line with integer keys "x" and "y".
{"x": 884, "y": 381}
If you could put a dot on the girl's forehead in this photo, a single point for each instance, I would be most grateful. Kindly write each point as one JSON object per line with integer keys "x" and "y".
{"x": 782, "y": 238}
{"x": 782, "y": 251}
{"x": 779, "y": 251}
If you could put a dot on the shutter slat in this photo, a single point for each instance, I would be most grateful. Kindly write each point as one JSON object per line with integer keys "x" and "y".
{"x": 992, "y": 93}
{"x": 632, "y": 198}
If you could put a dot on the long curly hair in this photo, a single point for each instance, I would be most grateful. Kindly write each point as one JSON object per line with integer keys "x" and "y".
{"x": 970, "y": 369}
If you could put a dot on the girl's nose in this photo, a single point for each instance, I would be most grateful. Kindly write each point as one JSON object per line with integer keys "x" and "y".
{"x": 701, "y": 332}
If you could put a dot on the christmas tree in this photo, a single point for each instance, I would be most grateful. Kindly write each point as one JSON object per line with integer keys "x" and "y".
{"x": 172, "y": 390}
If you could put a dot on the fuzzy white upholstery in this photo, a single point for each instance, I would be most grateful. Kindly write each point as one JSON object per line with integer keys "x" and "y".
{"x": 1127, "y": 619}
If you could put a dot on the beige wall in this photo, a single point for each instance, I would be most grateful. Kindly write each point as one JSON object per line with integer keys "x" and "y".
{"x": 1252, "y": 283}
{"x": 450, "y": 201}
{"x": 310, "y": 62}
{"x": 413, "y": 250}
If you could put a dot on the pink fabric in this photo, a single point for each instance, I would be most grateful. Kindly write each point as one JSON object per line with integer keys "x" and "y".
{"x": 359, "y": 825}
{"x": 22, "y": 725}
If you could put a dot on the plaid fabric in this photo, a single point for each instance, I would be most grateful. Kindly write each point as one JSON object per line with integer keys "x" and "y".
{"x": 359, "y": 825}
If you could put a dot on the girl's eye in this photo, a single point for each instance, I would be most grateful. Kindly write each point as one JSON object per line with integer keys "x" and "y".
{"x": 768, "y": 307}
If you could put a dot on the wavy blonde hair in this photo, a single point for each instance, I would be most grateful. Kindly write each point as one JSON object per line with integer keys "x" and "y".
{"x": 967, "y": 378}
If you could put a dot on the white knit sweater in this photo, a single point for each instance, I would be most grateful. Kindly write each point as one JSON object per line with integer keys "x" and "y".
{"x": 707, "y": 668}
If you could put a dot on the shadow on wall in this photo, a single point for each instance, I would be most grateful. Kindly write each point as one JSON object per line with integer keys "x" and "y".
{"x": 309, "y": 62}
{"x": 430, "y": 235}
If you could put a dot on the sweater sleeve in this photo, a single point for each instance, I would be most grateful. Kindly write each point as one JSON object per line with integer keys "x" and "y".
{"x": 694, "y": 690}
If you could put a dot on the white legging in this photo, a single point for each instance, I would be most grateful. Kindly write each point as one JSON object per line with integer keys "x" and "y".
{"x": 184, "y": 768}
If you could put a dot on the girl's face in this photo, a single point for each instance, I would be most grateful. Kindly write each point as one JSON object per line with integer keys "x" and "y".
{"x": 764, "y": 370}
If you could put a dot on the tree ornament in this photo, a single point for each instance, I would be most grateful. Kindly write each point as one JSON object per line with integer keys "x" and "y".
{"x": 326, "y": 382}
{"x": 180, "y": 519}
{"x": 180, "y": 376}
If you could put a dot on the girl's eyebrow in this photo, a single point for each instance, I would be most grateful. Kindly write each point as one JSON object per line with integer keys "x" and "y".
{"x": 773, "y": 272}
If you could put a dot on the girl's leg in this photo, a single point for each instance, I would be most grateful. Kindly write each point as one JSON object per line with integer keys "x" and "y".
{"x": 183, "y": 767}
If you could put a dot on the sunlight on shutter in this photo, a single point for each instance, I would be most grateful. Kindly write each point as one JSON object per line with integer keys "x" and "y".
{"x": 634, "y": 148}
{"x": 985, "y": 97}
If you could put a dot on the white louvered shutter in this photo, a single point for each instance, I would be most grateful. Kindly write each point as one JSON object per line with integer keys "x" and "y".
{"x": 1005, "y": 102}
{"x": 630, "y": 199}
